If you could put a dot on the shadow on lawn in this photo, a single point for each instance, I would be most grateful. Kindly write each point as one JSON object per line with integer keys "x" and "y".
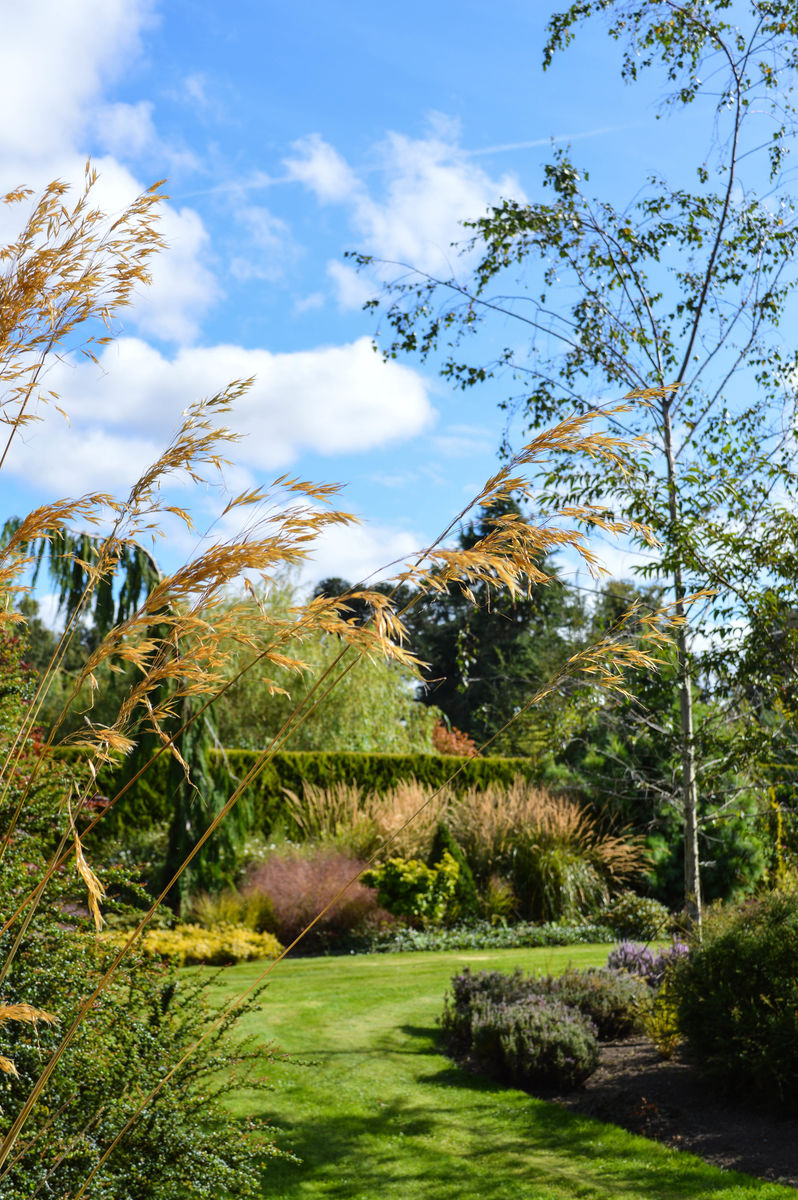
{"x": 472, "y": 1138}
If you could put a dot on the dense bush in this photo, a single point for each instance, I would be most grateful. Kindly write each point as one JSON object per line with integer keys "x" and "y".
{"x": 188, "y": 944}
{"x": 300, "y": 886}
{"x": 737, "y": 996}
{"x": 638, "y": 917}
{"x": 409, "y": 888}
{"x": 144, "y": 1021}
{"x": 468, "y": 991}
{"x": 539, "y": 1043}
{"x": 610, "y": 999}
{"x": 465, "y": 902}
{"x": 518, "y": 1032}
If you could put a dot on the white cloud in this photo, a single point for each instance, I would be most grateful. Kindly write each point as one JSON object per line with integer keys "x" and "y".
{"x": 126, "y": 129}
{"x": 408, "y": 206}
{"x": 360, "y": 552}
{"x": 56, "y": 60}
{"x": 329, "y": 400}
{"x": 321, "y": 168}
{"x": 352, "y": 289}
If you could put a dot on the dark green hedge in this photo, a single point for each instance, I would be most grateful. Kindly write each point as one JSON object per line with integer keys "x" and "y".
{"x": 147, "y": 800}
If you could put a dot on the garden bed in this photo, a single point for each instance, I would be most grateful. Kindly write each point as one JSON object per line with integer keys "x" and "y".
{"x": 671, "y": 1103}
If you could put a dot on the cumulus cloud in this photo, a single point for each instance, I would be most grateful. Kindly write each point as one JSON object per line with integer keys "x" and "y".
{"x": 408, "y": 205}
{"x": 329, "y": 400}
{"x": 360, "y": 552}
{"x": 56, "y": 62}
{"x": 55, "y": 59}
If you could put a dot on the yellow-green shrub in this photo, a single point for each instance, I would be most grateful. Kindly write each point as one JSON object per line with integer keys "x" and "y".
{"x": 188, "y": 944}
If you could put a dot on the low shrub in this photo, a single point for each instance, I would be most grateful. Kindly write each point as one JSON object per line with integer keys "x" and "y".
{"x": 640, "y": 960}
{"x": 537, "y": 1044}
{"x": 469, "y": 990}
{"x": 300, "y": 886}
{"x": 659, "y": 1016}
{"x": 737, "y": 997}
{"x": 252, "y": 909}
{"x": 638, "y": 917}
{"x": 479, "y": 935}
{"x": 409, "y": 888}
{"x": 465, "y": 902}
{"x": 517, "y": 1031}
{"x": 186, "y": 945}
{"x": 610, "y": 999}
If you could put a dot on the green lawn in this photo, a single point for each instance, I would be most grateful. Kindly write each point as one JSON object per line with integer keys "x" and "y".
{"x": 382, "y": 1115}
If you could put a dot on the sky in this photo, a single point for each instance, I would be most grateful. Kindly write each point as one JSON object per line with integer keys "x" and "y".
{"x": 290, "y": 134}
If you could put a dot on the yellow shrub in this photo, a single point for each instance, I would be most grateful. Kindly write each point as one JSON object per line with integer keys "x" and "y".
{"x": 187, "y": 944}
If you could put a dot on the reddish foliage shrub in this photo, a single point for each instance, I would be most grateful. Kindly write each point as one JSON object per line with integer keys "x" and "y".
{"x": 452, "y": 741}
{"x": 300, "y": 886}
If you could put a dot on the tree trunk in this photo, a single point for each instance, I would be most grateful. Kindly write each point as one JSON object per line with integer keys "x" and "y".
{"x": 692, "y": 873}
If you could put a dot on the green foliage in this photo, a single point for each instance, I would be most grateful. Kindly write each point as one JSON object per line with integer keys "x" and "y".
{"x": 465, "y": 902}
{"x": 609, "y": 998}
{"x": 737, "y": 996}
{"x": 185, "y": 1144}
{"x": 484, "y": 661}
{"x": 659, "y": 1016}
{"x": 149, "y": 801}
{"x": 409, "y": 888}
{"x": 185, "y": 945}
{"x": 556, "y": 882}
{"x": 252, "y": 909}
{"x": 372, "y": 712}
{"x": 638, "y": 917}
{"x": 521, "y": 1032}
{"x": 479, "y": 935}
{"x": 539, "y": 1044}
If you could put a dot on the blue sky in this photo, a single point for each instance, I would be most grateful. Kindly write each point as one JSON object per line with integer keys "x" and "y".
{"x": 289, "y": 134}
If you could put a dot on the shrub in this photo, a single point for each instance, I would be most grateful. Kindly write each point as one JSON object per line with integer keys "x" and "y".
{"x": 300, "y": 885}
{"x": 409, "y": 888}
{"x": 469, "y": 990}
{"x": 610, "y": 999}
{"x": 559, "y": 863}
{"x": 477, "y": 935}
{"x": 253, "y": 910}
{"x": 638, "y": 917}
{"x": 737, "y": 997}
{"x": 465, "y": 901}
{"x": 659, "y": 1015}
{"x": 640, "y": 960}
{"x": 536, "y": 1043}
{"x": 449, "y": 740}
{"x": 186, "y": 945}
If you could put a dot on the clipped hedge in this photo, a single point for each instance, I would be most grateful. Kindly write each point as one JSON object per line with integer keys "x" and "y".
{"x": 147, "y": 800}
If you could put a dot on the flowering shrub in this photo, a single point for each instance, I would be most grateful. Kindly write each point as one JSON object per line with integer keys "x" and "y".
{"x": 638, "y": 959}
{"x": 301, "y": 886}
{"x": 610, "y": 999}
{"x": 535, "y": 1043}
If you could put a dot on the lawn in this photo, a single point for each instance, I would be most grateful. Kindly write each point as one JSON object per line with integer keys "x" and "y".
{"x": 376, "y": 1112}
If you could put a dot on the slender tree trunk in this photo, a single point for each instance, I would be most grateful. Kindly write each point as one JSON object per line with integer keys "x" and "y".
{"x": 692, "y": 873}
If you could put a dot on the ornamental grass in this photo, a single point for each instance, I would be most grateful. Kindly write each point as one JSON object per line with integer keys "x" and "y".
{"x": 64, "y": 280}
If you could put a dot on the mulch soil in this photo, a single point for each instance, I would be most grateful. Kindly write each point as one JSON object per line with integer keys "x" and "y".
{"x": 671, "y": 1103}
